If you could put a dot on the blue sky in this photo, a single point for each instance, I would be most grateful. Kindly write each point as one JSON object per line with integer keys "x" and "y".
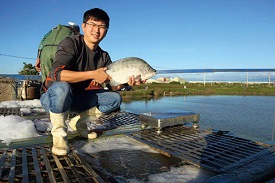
{"x": 174, "y": 34}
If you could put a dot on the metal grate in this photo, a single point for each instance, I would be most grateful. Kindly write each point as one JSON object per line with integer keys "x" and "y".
{"x": 38, "y": 164}
{"x": 10, "y": 111}
{"x": 161, "y": 120}
{"x": 120, "y": 120}
{"x": 214, "y": 151}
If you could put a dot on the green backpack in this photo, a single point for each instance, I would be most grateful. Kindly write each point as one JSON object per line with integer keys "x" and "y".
{"x": 56, "y": 35}
{"x": 48, "y": 47}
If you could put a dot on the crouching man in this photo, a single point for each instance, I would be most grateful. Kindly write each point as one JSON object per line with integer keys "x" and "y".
{"x": 74, "y": 82}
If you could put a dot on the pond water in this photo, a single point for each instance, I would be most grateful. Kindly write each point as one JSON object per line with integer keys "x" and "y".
{"x": 251, "y": 117}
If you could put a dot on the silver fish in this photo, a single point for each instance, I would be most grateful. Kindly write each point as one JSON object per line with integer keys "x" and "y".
{"x": 122, "y": 69}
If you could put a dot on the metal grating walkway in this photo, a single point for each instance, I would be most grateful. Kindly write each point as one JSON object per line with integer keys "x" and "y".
{"x": 38, "y": 164}
{"x": 214, "y": 151}
{"x": 34, "y": 112}
{"x": 10, "y": 111}
{"x": 121, "y": 120}
{"x": 217, "y": 152}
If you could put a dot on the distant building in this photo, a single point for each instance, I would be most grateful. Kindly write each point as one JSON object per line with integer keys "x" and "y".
{"x": 152, "y": 81}
{"x": 178, "y": 79}
{"x": 164, "y": 80}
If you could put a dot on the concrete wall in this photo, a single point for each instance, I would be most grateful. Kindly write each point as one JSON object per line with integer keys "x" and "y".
{"x": 8, "y": 89}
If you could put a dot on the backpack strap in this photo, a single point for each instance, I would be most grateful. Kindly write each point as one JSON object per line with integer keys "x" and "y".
{"x": 75, "y": 32}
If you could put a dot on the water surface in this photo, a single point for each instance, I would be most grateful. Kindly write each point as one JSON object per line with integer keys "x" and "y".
{"x": 249, "y": 117}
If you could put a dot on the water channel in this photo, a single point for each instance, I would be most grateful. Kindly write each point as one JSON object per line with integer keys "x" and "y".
{"x": 250, "y": 117}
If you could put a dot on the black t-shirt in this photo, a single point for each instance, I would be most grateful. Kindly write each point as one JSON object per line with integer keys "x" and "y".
{"x": 73, "y": 54}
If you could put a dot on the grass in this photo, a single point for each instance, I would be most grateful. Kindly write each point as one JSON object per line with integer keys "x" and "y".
{"x": 175, "y": 89}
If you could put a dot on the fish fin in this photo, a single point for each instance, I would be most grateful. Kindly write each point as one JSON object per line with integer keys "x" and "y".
{"x": 114, "y": 83}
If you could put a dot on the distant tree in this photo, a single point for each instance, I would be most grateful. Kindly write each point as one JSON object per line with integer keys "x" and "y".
{"x": 28, "y": 69}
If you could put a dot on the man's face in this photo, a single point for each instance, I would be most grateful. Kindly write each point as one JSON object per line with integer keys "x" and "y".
{"x": 94, "y": 31}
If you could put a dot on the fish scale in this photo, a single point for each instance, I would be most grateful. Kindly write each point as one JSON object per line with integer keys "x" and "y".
{"x": 122, "y": 69}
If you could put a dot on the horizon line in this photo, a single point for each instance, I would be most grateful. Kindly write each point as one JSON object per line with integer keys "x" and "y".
{"x": 211, "y": 70}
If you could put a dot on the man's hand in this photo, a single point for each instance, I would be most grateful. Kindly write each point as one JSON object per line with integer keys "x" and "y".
{"x": 100, "y": 76}
{"x": 37, "y": 65}
{"x": 135, "y": 81}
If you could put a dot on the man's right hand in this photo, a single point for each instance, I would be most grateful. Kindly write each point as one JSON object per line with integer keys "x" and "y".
{"x": 100, "y": 76}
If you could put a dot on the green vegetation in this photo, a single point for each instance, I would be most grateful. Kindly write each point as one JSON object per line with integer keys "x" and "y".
{"x": 174, "y": 89}
{"x": 28, "y": 69}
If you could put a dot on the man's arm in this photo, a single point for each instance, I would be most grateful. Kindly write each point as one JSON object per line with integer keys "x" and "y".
{"x": 63, "y": 67}
{"x": 99, "y": 76}
{"x": 38, "y": 65}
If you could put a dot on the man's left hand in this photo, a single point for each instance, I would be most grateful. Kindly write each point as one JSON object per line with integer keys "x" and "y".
{"x": 133, "y": 82}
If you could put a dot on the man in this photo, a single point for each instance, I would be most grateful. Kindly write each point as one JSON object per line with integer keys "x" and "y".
{"x": 48, "y": 45}
{"x": 75, "y": 81}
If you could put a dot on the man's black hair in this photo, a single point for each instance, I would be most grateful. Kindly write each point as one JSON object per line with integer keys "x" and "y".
{"x": 97, "y": 14}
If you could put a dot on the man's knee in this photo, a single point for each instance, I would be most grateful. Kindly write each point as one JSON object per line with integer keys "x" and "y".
{"x": 61, "y": 88}
{"x": 62, "y": 92}
{"x": 117, "y": 99}
{"x": 61, "y": 97}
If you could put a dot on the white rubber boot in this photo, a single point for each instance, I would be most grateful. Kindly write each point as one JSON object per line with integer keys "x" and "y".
{"x": 78, "y": 123}
{"x": 59, "y": 133}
